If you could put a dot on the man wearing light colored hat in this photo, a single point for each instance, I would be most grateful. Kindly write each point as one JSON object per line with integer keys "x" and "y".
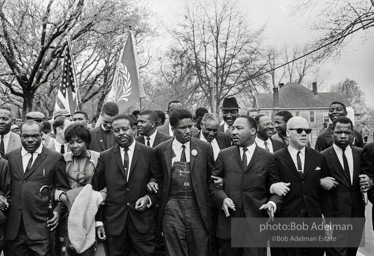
{"x": 230, "y": 111}
{"x": 61, "y": 112}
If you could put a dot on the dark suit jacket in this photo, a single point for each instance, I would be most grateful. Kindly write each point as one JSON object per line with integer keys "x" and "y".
{"x": 98, "y": 140}
{"x": 47, "y": 169}
{"x": 165, "y": 129}
{"x": 160, "y": 137}
{"x": 201, "y": 169}
{"x": 367, "y": 166}
{"x": 223, "y": 139}
{"x": 346, "y": 198}
{"x": 306, "y": 197}
{"x": 4, "y": 191}
{"x": 277, "y": 145}
{"x": 221, "y": 128}
{"x": 14, "y": 142}
{"x": 248, "y": 189}
{"x": 325, "y": 140}
{"x": 122, "y": 194}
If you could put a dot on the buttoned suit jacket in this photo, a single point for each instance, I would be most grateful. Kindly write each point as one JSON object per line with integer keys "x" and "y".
{"x": 98, "y": 140}
{"x": 48, "y": 169}
{"x": 346, "y": 198}
{"x": 247, "y": 188}
{"x": 160, "y": 137}
{"x": 223, "y": 139}
{"x": 368, "y": 168}
{"x": 14, "y": 142}
{"x": 306, "y": 197}
{"x": 122, "y": 194}
{"x": 201, "y": 166}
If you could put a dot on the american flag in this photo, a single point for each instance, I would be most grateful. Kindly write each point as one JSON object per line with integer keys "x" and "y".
{"x": 67, "y": 96}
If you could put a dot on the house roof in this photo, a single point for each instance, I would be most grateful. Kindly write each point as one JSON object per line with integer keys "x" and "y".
{"x": 294, "y": 95}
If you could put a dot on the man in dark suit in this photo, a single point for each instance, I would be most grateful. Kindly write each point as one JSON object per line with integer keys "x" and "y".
{"x": 230, "y": 111}
{"x": 4, "y": 198}
{"x": 348, "y": 201}
{"x": 8, "y": 139}
{"x": 127, "y": 219}
{"x": 102, "y": 137}
{"x": 147, "y": 129}
{"x": 265, "y": 129}
{"x": 209, "y": 133}
{"x": 246, "y": 171}
{"x": 187, "y": 164}
{"x": 302, "y": 168}
{"x": 325, "y": 140}
{"x": 150, "y": 137}
{"x": 367, "y": 166}
{"x": 280, "y": 123}
{"x": 31, "y": 167}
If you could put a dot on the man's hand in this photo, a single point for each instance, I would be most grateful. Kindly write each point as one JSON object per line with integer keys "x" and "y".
{"x": 152, "y": 187}
{"x": 100, "y": 232}
{"x": 228, "y": 204}
{"x": 365, "y": 182}
{"x": 218, "y": 181}
{"x": 53, "y": 223}
{"x": 328, "y": 183}
{"x": 64, "y": 199}
{"x": 3, "y": 203}
{"x": 269, "y": 207}
{"x": 141, "y": 203}
{"x": 280, "y": 188}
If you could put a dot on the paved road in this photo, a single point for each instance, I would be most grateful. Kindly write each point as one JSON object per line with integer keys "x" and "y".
{"x": 368, "y": 250}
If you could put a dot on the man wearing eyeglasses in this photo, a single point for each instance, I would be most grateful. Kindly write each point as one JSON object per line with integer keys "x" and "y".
{"x": 30, "y": 168}
{"x": 348, "y": 201}
{"x": 301, "y": 168}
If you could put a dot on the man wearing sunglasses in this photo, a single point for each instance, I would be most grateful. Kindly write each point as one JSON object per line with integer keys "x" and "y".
{"x": 300, "y": 169}
{"x": 348, "y": 201}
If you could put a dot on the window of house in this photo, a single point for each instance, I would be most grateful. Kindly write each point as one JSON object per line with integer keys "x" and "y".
{"x": 297, "y": 113}
{"x": 311, "y": 117}
{"x": 326, "y": 116}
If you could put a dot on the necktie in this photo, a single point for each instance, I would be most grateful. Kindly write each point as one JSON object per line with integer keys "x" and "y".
{"x": 29, "y": 164}
{"x": 244, "y": 159}
{"x": 299, "y": 165}
{"x": 183, "y": 154}
{"x": 126, "y": 161}
{"x": 148, "y": 142}
{"x": 62, "y": 150}
{"x": 346, "y": 166}
{"x": 2, "y": 147}
{"x": 266, "y": 146}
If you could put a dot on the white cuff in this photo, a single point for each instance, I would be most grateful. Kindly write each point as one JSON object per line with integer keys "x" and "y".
{"x": 150, "y": 201}
{"x": 274, "y": 205}
{"x": 99, "y": 223}
{"x": 271, "y": 189}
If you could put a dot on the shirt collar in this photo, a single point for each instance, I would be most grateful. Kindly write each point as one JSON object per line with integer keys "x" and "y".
{"x": 294, "y": 151}
{"x": 7, "y": 136}
{"x": 338, "y": 149}
{"x": 153, "y": 136}
{"x": 262, "y": 142}
{"x": 177, "y": 144}
{"x": 131, "y": 148}
{"x": 69, "y": 156}
{"x": 250, "y": 148}
{"x": 39, "y": 150}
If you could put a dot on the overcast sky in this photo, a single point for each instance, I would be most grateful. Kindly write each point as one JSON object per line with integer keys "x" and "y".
{"x": 285, "y": 28}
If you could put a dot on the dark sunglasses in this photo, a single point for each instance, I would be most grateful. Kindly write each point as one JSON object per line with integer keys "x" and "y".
{"x": 301, "y": 130}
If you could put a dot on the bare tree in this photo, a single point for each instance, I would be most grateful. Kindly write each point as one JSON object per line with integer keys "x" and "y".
{"x": 337, "y": 21}
{"x": 217, "y": 54}
{"x": 355, "y": 96}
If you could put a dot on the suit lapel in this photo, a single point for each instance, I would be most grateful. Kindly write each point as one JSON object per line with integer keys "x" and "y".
{"x": 356, "y": 164}
{"x": 101, "y": 138}
{"x": 337, "y": 163}
{"x": 19, "y": 163}
{"x": 289, "y": 162}
{"x": 117, "y": 156}
{"x": 135, "y": 157}
{"x": 193, "y": 146}
{"x": 238, "y": 157}
{"x": 39, "y": 159}
{"x": 308, "y": 161}
{"x": 168, "y": 154}
{"x": 11, "y": 143}
{"x": 256, "y": 155}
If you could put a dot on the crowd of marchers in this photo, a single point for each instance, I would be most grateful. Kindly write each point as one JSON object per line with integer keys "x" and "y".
{"x": 142, "y": 185}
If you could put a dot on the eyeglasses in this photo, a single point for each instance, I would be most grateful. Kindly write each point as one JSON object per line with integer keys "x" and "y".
{"x": 301, "y": 130}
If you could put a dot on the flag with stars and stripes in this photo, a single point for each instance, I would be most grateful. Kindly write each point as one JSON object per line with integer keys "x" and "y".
{"x": 67, "y": 96}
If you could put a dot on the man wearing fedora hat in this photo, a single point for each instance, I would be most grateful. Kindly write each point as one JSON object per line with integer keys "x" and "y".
{"x": 230, "y": 111}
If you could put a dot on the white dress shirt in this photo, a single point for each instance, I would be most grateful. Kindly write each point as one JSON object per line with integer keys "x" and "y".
{"x": 6, "y": 142}
{"x": 349, "y": 155}
{"x": 177, "y": 148}
{"x": 214, "y": 144}
{"x": 58, "y": 146}
{"x": 293, "y": 153}
{"x": 151, "y": 139}
{"x": 26, "y": 156}
{"x": 249, "y": 152}
{"x": 261, "y": 144}
{"x": 130, "y": 152}
{"x": 171, "y": 133}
